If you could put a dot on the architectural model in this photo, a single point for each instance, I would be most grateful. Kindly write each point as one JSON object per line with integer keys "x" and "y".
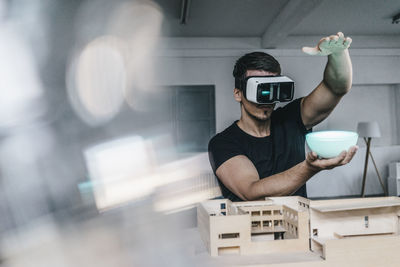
{"x": 349, "y": 232}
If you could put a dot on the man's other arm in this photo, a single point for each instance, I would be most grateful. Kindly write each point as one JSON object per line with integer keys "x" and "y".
{"x": 240, "y": 176}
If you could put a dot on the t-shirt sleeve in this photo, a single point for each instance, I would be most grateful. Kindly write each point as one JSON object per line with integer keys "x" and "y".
{"x": 291, "y": 113}
{"x": 220, "y": 149}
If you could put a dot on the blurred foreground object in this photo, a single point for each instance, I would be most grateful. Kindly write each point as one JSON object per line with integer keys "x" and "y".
{"x": 125, "y": 171}
{"x": 114, "y": 63}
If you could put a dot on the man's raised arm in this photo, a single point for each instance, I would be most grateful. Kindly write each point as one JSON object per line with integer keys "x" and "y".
{"x": 336, "y": 82}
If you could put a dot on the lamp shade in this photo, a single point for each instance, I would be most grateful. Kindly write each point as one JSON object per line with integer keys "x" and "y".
{"x": 368, "y": 129}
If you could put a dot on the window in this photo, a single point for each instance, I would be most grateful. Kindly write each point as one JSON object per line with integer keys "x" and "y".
{"x": 228, "y": 250}
{"x": 229, "y": 235}
{"x": 277, "y": 212}
{"x": 256, "y": 224}
{"x": 267, "y": 223}
{"x": 185, "y": 113}
{"x": 315, "y": 232}
{"x": 194, "y": 117}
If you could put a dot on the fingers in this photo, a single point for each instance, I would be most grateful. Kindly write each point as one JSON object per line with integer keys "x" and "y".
{"x": 338, "y": 41}
{"x": 312, "y": 156}
{"x": 310, "y": 50}
{"x": 340, "y": 38}
{"x": 350, "y": 154}
{"x": 328, "y": 45}
{"x": 333, "y": 162}
{"x": 312, "y": 161}
{"x": 333, "y": 39}
{"x": 347, "y": 42}
{"x": 324, "y": 42}
{"x": 343, "y": 158}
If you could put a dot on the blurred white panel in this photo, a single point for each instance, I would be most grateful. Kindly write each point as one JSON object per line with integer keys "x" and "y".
{"x": 20, "y": 88}
{"x": 119, "y": 171}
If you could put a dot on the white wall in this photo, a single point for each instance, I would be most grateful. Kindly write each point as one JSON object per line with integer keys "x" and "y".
{"x": 368, "y": 103}
{"x": 374, "y": 95}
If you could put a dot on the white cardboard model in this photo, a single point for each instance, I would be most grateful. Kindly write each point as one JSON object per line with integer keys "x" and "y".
{"x": 348, "y": 232}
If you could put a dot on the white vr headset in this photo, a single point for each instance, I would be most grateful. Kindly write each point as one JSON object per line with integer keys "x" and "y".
{"x": 267, "y": 89}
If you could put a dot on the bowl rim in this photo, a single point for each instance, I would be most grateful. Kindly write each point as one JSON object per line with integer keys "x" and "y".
{"x": 321, "y": 138}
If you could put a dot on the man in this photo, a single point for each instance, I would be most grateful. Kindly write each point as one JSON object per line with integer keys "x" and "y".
{"x": 262, "y": 154}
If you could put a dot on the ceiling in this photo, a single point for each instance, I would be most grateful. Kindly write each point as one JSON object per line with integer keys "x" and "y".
{"x": 220, "y": 18}
{"x": 278, "y": 19}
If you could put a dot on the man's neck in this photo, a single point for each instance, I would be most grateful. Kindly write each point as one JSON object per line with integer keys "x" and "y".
{"x": 253, "y": 126}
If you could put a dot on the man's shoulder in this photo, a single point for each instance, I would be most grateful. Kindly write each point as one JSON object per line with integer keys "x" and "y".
{"x": 225, "y": 145}
{"x": 227, "y": 135}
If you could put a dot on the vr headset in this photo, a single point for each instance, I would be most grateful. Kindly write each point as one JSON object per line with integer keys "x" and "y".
{"x": 267, "y": 89}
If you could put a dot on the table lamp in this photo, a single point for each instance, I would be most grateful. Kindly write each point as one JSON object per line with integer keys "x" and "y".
{"x": 369, "y": 130}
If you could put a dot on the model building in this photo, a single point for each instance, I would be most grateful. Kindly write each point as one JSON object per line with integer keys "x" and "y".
{"x": 339, "y": 231}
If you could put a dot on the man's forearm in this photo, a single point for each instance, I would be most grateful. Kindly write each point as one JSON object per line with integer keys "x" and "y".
{"x": 282, "y": 184}
{"x": 338, "y": 73}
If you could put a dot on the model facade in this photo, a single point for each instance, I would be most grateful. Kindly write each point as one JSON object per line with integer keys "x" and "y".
{"x": 254, "y": 227}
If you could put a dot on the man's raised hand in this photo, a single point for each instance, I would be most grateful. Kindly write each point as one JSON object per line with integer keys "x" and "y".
{"x": 329, "y": 45}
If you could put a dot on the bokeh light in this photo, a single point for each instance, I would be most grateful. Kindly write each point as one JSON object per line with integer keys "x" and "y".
{"x": 99, "y": 80}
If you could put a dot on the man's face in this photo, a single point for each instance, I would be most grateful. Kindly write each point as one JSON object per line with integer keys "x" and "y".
{"x": 260, "y": 112}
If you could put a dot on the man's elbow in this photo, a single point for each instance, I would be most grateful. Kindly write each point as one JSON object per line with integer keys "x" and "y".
{"x": 253, "y": 199}
{"x": 338, "y": 88}
{"x": 342, "y": 89}
{"x": 250, "y": 198}
{"x": 254, "y": 191}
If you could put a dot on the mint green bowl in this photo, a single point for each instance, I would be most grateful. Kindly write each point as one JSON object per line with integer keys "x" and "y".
{"x": 329, "y": 144}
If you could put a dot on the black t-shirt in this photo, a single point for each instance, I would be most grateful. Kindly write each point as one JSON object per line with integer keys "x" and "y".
{"x": 279, "y": 151}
